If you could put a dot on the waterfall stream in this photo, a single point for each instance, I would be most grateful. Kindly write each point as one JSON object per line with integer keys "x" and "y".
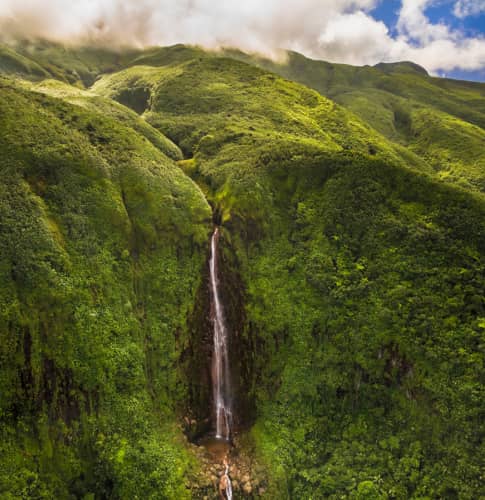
{"x": 221, "y": 377}
{"x": 228, "y": 483}
{"x": 221, "y": 380}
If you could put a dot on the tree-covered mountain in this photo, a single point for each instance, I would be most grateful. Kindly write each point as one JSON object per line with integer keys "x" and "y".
{"x": 352, "y": 211}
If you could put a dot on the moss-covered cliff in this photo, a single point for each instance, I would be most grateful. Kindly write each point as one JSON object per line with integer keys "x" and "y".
{"x": 102, "y": 242}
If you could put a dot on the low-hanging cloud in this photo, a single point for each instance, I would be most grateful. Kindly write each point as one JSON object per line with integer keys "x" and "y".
{"x": 335, "y": 30}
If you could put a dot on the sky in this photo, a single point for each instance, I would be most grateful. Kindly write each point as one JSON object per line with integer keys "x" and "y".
{"x": 447, "y": 37}
{"x": 465, "y": 17}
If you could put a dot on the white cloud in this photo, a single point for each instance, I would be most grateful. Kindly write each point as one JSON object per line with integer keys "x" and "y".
{"x": 437, "y": 47}
{"x": 346, "y": 34}
{"x": 247, "y": 23}
{"x": 413, "y": 23}
{"x": 336, "y": 30}
{"x": 465, "y": 8}
{"x": 444, "y": 55}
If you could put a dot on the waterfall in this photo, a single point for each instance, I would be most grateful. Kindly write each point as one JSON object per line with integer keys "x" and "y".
{"x": 221, "y": 380}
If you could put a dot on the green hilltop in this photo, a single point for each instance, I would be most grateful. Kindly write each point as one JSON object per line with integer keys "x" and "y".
{"x": 352, "y": 208}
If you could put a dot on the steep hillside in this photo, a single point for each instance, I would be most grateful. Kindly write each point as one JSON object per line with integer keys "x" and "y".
{"x": 102, "y": 242}
{"x": 77, "y": 66}
{"x": 440, "y": 120}
{"x": 354, "y": 275}
{"x": 462, "y": 99}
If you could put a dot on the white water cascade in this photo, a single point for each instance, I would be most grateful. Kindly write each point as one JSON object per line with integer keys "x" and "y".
{"x": 228, "y": 483}
{"x": 221, "y": 380}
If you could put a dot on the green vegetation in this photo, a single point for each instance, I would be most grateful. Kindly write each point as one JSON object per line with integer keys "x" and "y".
{"x": 77, "y": 66}
{"x": 434, "y": 117}
{"x": 357, "y": 232}
{"x": 13, "y": 63}
{"x": 102, "y": 241}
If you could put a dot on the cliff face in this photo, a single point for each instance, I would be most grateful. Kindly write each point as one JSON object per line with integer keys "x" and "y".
{"x": 352, "y": 273}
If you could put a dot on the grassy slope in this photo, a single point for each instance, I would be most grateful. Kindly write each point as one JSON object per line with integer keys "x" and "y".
{"x": 108, "y": 107}
{"x": 365, "y": 283}
{"x": 397, "y": 100}
{"x": 102, "y": 241}
{"x": 77, "y": 66}
{"x": 13, "y": 63}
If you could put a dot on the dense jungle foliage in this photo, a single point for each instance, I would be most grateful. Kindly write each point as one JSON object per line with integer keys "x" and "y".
{"x": 353, "y": 216}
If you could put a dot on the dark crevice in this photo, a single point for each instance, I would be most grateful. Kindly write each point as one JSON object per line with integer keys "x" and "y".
{"x": 198, "y": 355}
{"x": 135, "y": 98}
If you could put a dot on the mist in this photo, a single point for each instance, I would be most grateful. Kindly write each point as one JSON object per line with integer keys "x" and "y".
{"x": 334, "y": 30}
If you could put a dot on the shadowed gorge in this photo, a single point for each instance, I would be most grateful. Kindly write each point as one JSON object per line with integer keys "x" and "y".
{"x": 199, "y": 356}
{"x": 194, "y": 246}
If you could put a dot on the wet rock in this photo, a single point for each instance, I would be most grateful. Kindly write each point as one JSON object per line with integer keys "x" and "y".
{"x": 247, "y": 488}
{"x": 259, "y": 470}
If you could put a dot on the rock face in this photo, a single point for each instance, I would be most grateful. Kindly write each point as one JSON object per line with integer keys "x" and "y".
{"x": 248, "y": 477}
{"x": 197, "y": 357}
